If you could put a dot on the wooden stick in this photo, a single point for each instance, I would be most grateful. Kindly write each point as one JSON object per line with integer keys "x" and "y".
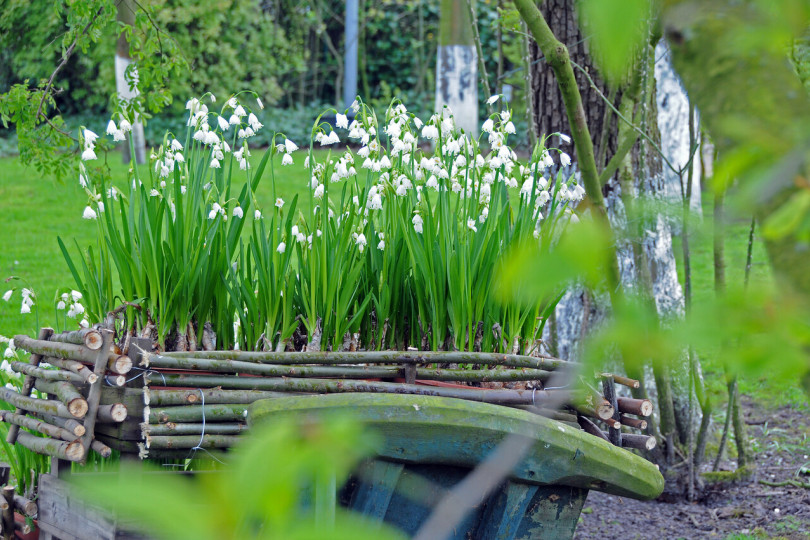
{"x": 46, "y": 374}
{"x": 67, "y": 394}
{"x": 376, "y": 357}
{"x": 47, "y": 406}
{"x": 27, "y": 506}
{"x": 70, "y": 451}
{"x": 222, "y": 413}
{"x": 65, "y": 351}
{"x": 625, "y": 381}
{"x": 591, "y": 428}
{"x": 639, "y": 407}
{"x": 69, "y": 424}
{"x": 94, "y": 395}
{"x": 615, "y": 429}
{"x": 23, "y": 527}
{"x": 113, "y": 413}
{"x": 120, "y": 365}
{"x": 345, "y": 372}
{"x": 74, "y": 367}
{"x": 174, "y": 428}
{"x": 192, "y": 441}
{"x": 37, "y": 425}
{"x": 209, "y": 396}
{"x": 100, "y": 448}
{"x": 326, "y": 386}
{"x": 28, "y": 384}
{"x": 639, "y": 442}
{"x": 635, "y": 423}
{"x": 8, "y": 507}
{"x": 89, "y": 337}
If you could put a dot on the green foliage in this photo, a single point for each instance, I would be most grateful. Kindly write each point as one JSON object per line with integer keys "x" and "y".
{"x": 264, "y": 490}
{"x": 403, "y": 251}
{"x": 613, "y": 50}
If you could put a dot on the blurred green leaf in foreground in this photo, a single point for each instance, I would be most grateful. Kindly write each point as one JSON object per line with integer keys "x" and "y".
{"x": 262, "y": 491}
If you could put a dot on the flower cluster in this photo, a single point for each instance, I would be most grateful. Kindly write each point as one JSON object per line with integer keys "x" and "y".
{"x": 28, "y": 299}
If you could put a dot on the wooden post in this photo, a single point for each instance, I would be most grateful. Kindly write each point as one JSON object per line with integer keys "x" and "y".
{"x": 94, "y": 395}
{"x": 614, "y": 431}
{"x": 28, "y": 384}
{"x": 8, "y": 512}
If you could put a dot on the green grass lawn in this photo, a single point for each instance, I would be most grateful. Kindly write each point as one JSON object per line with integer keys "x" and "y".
{"x": 35, "y": 210}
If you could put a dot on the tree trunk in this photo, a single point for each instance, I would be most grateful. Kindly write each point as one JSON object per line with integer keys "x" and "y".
{"x": 548, "y": 109}
{"x": 126, "y": 15}
{"x": 456, "y": 66}
{"x": 650, "y": 245}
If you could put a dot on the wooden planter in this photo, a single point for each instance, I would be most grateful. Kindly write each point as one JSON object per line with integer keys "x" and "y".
{"x": 441, "y": 440}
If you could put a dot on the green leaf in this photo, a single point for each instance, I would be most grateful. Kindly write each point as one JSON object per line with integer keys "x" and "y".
{"x": 617, "y": 29}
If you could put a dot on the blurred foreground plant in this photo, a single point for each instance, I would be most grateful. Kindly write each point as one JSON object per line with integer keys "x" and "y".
{"x": 264, "y": 490}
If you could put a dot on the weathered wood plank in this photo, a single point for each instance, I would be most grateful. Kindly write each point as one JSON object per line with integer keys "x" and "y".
{"x": 378, "y": 479}
{"x": 431, "y": 429}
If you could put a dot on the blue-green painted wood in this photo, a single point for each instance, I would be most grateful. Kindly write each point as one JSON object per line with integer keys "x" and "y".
{"x": 435, "y": 430}
{"x": 505, "y": 510}
{"x": 377, "y": 480}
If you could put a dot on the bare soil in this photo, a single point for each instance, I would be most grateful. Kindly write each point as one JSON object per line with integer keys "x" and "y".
{"x": 780, "y": 440}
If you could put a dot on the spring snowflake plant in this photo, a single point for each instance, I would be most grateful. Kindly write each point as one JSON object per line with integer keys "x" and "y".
{"x": 399, "y": 245}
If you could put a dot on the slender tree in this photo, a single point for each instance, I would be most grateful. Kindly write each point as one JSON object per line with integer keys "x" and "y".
{"x": 456, "y": 65}
{"x": 125, "y": 78}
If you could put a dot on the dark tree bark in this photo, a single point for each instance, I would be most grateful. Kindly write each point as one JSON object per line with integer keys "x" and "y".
{"x": 547, "y": 103}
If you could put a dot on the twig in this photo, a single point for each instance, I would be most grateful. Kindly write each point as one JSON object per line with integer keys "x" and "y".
{"x": 68, "y": 53}
{"x": 628, "y": 122}
{"x": 794, "y": 483}
{"x": 482, "y": 65}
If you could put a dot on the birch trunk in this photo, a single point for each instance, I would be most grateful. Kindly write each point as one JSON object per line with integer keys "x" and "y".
{"x": 456, "y": 66}
{"x": 126, "y": 15}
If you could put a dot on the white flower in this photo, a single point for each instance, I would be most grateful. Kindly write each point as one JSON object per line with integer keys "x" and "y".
{"x": 254, "y": 122}
{"x": 88, "y": 154}
{"x": 239, "y": 111}
{"x": 341, "y": 121}
{"x": 259, "y": 102}
{"x": 215, "y": 163}
{"x": 355, "y": 106}
{"x": 8, "y": 354}
{"x": 111, "y": 128}
{"x": 25, "y": 308}
{"x": 287, "y": 159}
{"x": 510, "y": 127}
{"x": 176, "y": 146}
{"x": 565, "y": 159}
{"x": 493, "y": 99}
{"x": 89, "y": 213}
{"x": 375, "y": 203}
{"x": 361, "y": 242}
{"x": 154, "y": 193}
{"x": 237, "y": 212}
{"x": 279, "y": 202}
{"x": 318, "y": 192}
{"x": 417, "y": 223}
{"x": 234, "y": 120}
{"x": 125, "y": 126}
{"x": 381, "y": 245}
{"x": 488, "y": 126}
{"x": 7, "y": 295}
{"x": 564, "y": 138}
{"x": 282, "y": 247}
{"x": 84, "y": 323}
{"x": 89, "y": 137}
{"x": 223, "y": 124}
{"x": 77, "y": 308}
{"x": 430, "y": 133}
{"x": 471, "y": 225}
{"x": 257, "y": 214}
{"x": 290, "y": 146}
{"x": 60, "y": 305}
{"x": 82, "y": 180}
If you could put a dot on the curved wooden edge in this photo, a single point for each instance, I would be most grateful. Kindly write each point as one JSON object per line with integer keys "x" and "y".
{"x": 430, "y": 429}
